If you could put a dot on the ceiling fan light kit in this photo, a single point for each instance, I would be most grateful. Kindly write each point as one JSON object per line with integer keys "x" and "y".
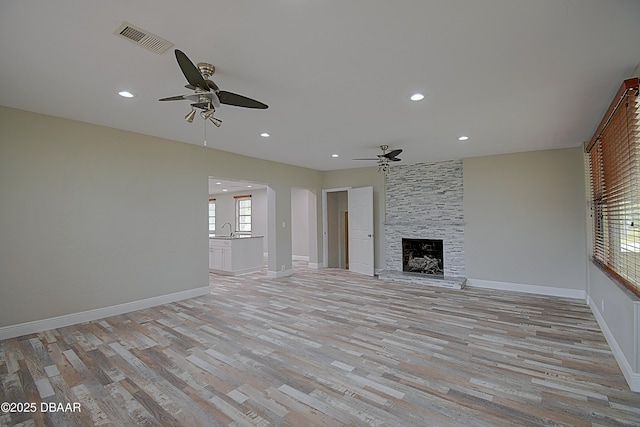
{"x": 207, "y": 95}
{"x": 190, "y": 115}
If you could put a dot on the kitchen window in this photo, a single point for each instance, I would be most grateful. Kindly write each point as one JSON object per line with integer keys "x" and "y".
{"x": 212, "y": 216}
{"x": 243, "y": 214}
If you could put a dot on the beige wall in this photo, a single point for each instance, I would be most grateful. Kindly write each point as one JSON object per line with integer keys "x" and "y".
{"x": 93, "y": 217}
{"x": 300, "y": 222}
{"x": 525, "y": 218}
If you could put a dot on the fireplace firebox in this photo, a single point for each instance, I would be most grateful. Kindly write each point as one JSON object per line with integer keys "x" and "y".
{"x": 423, "y": 256}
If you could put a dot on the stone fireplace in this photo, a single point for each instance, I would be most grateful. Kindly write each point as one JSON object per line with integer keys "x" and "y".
{"x": 424, "y": 204}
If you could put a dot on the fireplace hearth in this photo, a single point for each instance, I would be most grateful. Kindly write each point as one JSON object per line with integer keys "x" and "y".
{"x": 423, "y": 256}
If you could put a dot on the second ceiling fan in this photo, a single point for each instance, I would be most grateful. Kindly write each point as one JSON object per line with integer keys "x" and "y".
{"x": 386, "y": 157}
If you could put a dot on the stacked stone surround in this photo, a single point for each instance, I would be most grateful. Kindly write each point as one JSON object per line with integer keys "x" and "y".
{"x": 425, "y": 201}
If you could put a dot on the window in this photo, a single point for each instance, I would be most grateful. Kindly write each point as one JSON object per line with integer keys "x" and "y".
{"x": 243, "y": 214}
{"x": 212, "y": 216}
{"x": 614, "y": 173}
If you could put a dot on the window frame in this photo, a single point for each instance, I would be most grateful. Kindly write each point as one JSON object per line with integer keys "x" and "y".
{"x": 212, "y": 202}
{"x": 241, "y": 218}
{"x": 613, "y": 155}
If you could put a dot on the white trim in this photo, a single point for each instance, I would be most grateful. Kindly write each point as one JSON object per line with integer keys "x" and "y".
{"x": 36, "y": 326}
{"x": 235, "y": 272}
{"x": 299, "y": 257}
{"x": 279, "y": 274}
{"x": 315, "y": 265}
{"x": 633, "y": 378}
{"x": 530, "y": 289}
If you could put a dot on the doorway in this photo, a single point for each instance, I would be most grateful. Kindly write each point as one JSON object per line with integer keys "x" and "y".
{"x": 344, "y": 236}
{"x": 348, "y": 240}
{"x": 223, "y": 209}
{"x": 337, "y": 229}
{"x": 304, "y": 228}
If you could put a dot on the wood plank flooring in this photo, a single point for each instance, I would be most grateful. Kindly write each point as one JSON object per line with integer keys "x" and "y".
{"x": 325, "y": 348}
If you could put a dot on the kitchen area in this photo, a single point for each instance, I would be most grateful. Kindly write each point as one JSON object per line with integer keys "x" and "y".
{"x": 237, "y": 227}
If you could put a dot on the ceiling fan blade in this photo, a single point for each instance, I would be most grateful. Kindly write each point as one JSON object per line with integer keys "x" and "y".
{"x": 173, "y": 98}
{"x": 239, "y": 100}
{"x": 392, "y": 154}
{"x": 191, "y": 97}
{"x": 191, "y": 73}
{"x": 395, "y": 159}
{"x": 213, "y": 86}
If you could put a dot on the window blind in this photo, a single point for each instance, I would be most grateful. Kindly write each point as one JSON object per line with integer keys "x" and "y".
{"x": 614, "y": 173}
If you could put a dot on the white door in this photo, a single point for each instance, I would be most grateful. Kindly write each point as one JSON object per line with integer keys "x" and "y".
{"x": 360, "y": 202}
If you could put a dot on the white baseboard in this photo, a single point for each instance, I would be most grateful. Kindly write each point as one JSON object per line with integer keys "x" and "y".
{"x": 530, "y": 289}
{"x": 633, "y": 378}
{"x": 279, "y": 274}
{"x": 235, "y": 272}
{"x": 36, "y": 326}
{"x": 316, "y": 265}
{"x": 299, "y": 257}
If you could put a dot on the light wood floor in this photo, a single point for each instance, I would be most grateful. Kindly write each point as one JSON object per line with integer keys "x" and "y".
{"x": 326, "y": 348}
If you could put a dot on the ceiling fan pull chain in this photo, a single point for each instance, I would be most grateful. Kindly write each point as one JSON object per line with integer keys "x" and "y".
{"x": 205, "y": 132}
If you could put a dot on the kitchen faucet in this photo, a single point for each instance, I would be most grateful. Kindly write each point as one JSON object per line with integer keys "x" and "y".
{"x": 230, "y": 232}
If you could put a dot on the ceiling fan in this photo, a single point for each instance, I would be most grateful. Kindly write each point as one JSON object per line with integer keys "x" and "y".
{"x": 207, "y": 95}
{"x": 384, "y": 158}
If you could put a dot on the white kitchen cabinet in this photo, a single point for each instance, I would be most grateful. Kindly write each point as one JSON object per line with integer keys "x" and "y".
{"x": 235, "y": 255}
{"x": 220, "y": 255}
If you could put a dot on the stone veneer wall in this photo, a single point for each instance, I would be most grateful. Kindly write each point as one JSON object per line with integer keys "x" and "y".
{"x": 425, "y": 201}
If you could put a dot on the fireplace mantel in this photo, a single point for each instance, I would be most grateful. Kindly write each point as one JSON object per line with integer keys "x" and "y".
{"x": 425, "y": 223}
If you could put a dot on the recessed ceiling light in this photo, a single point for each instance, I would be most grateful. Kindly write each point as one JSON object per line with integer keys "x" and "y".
{"x": 265, "y": 134}
{"x": 417, "y": 97}
{"x": 218, "y": 183}
{"x": 335, "y": 155}
{"x": 463, "y": 138}
{"x": 224, "y": 189}
{"x": 249, "y": 186}
{"x": 125, "y": 94}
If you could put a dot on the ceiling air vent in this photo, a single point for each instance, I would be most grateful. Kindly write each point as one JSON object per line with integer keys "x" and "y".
{"x": 143, "y": 38}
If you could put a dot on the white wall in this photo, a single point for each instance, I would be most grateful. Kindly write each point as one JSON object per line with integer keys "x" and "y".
{"x": 93, "y": 217}
{"x": 525, "y": 220}
{"x": 618, "y": 312}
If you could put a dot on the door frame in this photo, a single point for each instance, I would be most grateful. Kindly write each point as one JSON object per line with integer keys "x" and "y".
{"x": 325, "y": 223}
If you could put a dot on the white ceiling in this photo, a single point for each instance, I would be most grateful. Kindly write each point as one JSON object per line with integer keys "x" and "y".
{"x": 513, "y": 75}
{"x": 221, "y": 186}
